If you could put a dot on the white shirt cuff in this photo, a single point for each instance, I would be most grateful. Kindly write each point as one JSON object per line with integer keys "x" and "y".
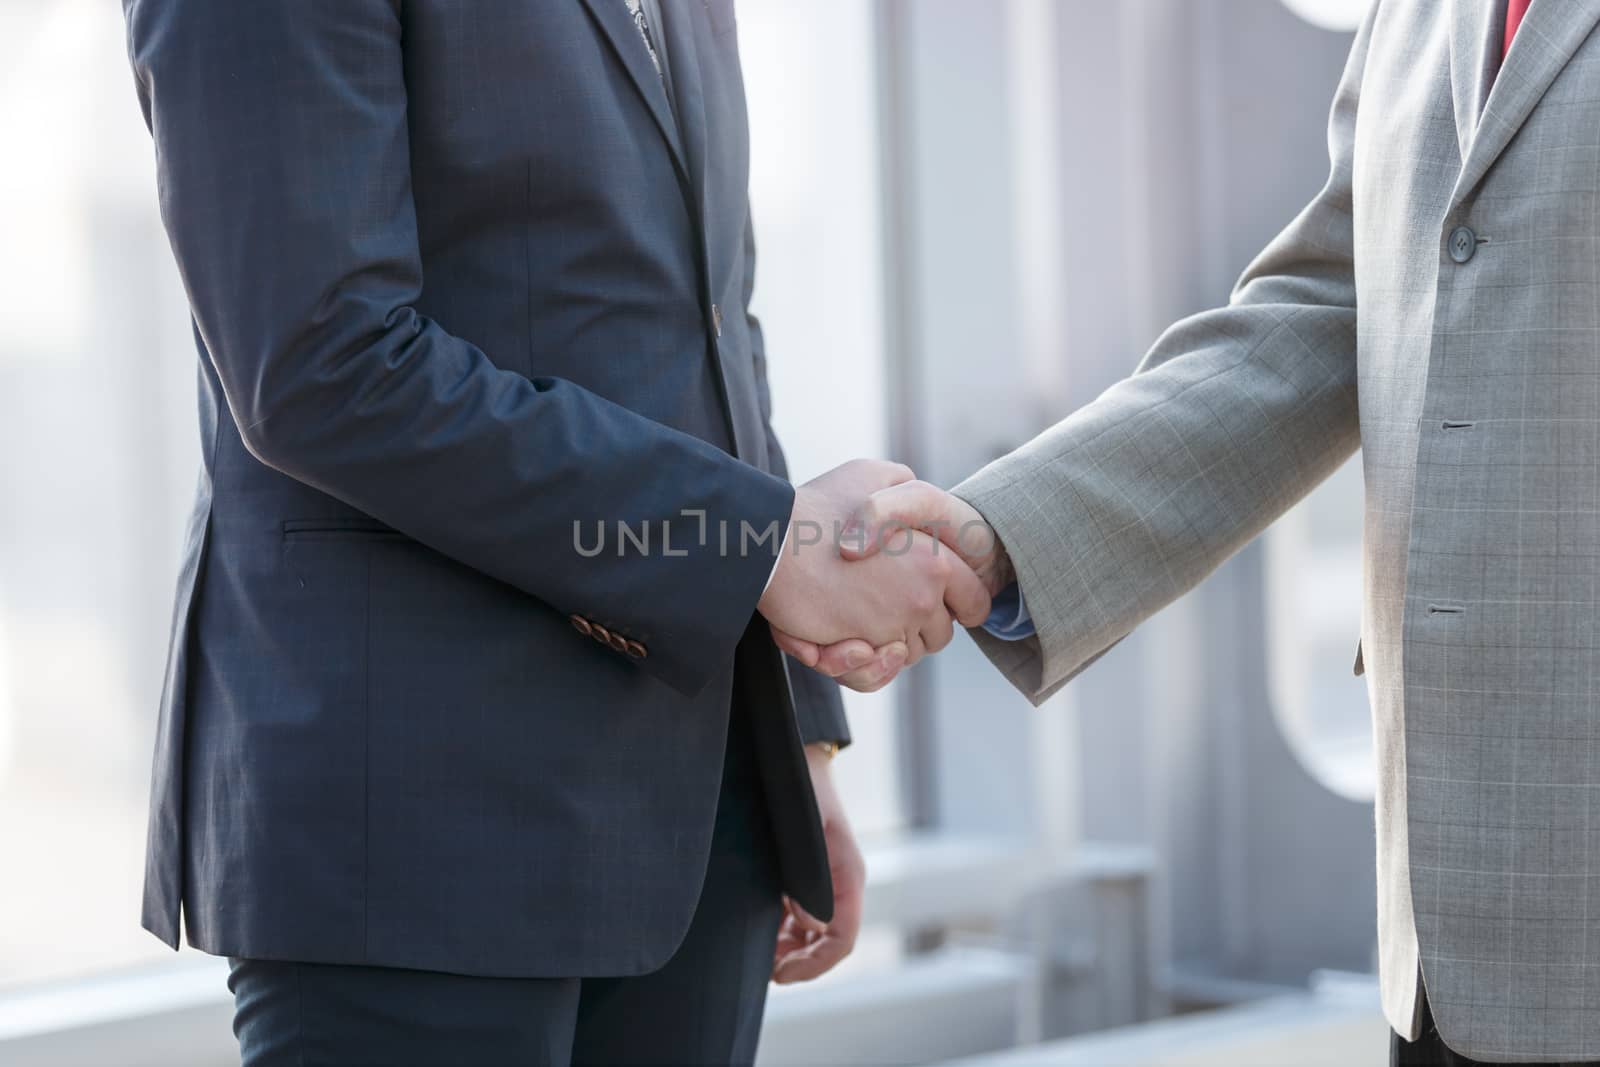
{"x": 787, "y": 530}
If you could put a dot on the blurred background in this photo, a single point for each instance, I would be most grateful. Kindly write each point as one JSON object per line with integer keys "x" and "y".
{"x": 974, "y": 216}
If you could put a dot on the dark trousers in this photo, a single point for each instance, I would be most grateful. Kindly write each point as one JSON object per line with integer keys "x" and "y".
{"x": 1429, "y": 1051}
{"x": 704, "y": 1007}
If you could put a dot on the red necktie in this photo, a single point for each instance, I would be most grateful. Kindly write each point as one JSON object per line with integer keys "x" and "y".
{"x": 1515, "y": 9}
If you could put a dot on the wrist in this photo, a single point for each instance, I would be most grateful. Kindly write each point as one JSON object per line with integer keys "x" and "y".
{"x": 826, "y": 750}
{"x": 820, "y": 763}
{"x": 783, "y": 570}
{"x": 783, "y": 544}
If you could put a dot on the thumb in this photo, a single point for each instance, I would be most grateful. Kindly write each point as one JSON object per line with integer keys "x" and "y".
{"x": 914, "y": 505}
{"x": 805, "y": 919}
{"x": 804, "y": 651}
{"x": 965, "y": 597}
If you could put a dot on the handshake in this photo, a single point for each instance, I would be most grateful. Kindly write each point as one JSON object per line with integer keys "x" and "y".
{"x": 876, "y": 571}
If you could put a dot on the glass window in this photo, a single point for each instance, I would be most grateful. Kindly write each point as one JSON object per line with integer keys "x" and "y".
{"x": 810, "y": 78}
{"x": 97, "y": 427}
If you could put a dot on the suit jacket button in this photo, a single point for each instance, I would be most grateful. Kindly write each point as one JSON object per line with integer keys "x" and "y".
{"x": 580, "y": 624}
{"x": 636, "y": 650}
{"x": 619, "y": 642}
{"x": 600, "y": 633}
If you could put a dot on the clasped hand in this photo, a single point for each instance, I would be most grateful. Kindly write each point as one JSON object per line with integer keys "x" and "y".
{"x": 877, "y": 570}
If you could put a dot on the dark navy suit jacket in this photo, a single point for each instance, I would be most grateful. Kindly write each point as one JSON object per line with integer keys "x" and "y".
{"x": 464, "y": 287}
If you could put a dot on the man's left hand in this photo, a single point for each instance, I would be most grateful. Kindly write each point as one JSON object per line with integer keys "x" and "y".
{"x": 808, "y": 947}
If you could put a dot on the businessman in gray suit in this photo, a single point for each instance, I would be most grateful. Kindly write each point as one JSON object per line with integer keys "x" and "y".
{"x": 1438, "y": 305}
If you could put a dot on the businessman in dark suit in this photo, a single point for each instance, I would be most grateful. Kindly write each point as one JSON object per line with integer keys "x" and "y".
{"x": 474, "y": 746}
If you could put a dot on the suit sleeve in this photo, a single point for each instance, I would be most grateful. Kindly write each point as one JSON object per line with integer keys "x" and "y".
{"x": 1233, "y": 417}
{"x": 283, "y": 168}
{"x": 819, "y": 706}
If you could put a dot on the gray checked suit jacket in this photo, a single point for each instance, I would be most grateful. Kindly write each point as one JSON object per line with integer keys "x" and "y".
{"x": 1438, "y": 305}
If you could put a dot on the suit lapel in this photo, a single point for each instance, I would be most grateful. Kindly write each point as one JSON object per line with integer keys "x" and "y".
{"x": 684, "y": 23}
{"x": 679, "y": 35}
{"x": 1549, "y": 35}
{"x": 686, "y": 134}
{"x": 617, "y": 25}
{"x": 1473, "y": 32}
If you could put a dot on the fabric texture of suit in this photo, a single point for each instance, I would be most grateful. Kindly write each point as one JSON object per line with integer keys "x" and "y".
{"x": 1470, "y": 378}
{"x": 1429, "y": 1049}
{"x": 703, "y": 1007}
{"x": 466, "y": 293}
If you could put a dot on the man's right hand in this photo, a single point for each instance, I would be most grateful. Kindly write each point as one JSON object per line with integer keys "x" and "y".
{"x": 880, "y": 523}
{"x": 887, "y": 514}
{"x": 909, "y": 594}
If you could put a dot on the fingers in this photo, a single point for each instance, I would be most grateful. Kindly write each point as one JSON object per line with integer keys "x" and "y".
{"x": 911, "y": 505}
{"x": 959, "y": 596}
{"x": 804, "y": 919}
{"x": 792, "y": 938}
{"x": 814, "y": 960}
{"x": 937, "y": 631}
{"x": 880, "y": 672}
{"x": 965, "y": 596}
{"x": 859, "y": 666}
{"x": 798, "y": 930}
{"x": 840, "y": 659}
{"x": 915, "y": 647}
{"x": 807, "y": 948}
{"x": 804, "y": 651}
{"x": 916, "y": 505}
{"x": 854, "y": 664}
